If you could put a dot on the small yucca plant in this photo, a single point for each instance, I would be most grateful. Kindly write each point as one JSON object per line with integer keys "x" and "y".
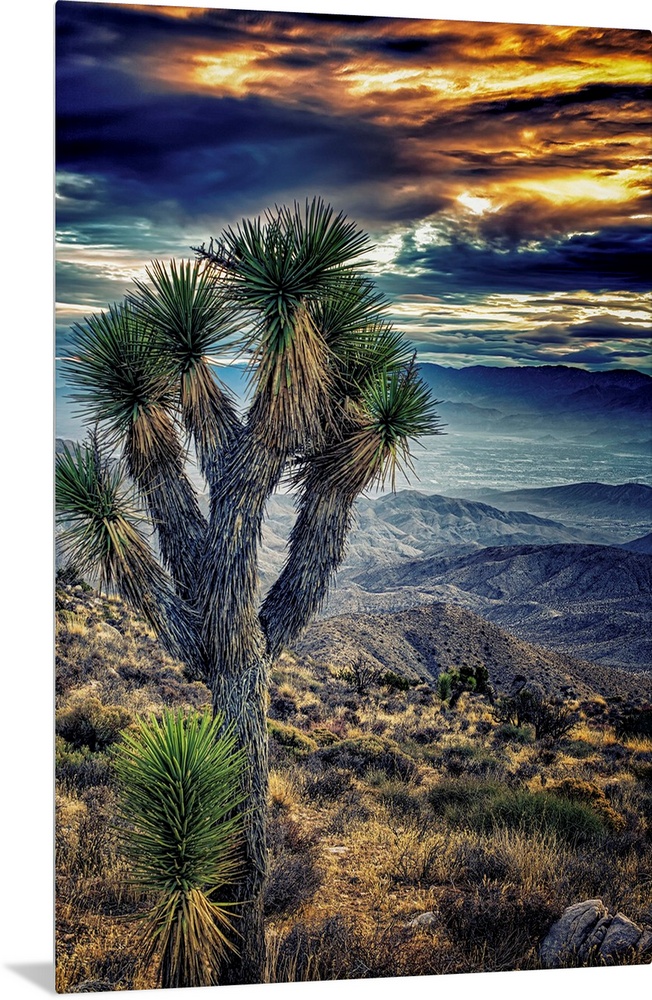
{"x": 179, "y": 781}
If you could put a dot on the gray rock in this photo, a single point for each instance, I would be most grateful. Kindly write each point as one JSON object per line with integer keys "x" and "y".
{"x": 586, "y": 931}
{"x": 594, "y": 939}
{"x": 569, "y": 934}
{"x": 621, "y": 938}
{"x": 645, "y": 944}
{"x": 428, "y": 919}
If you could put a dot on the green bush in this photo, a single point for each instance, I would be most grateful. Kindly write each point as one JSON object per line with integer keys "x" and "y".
{"x": 323, "y": 736}
{"x": 80, "y": 768}
{"x": 291, "y": 738}
{"x": 444, "y": 686}
{"x": 456, "y": 799}
{"x": 452, "y": 684}
{"x": 469, "y": 758}
{"x": 574, "y": 822}
{"x": 550, "y": 718}
{"x": 88, "y": 723}
{"x": 396, "y": 682}
{"x": 399, "y": 798}
{"x": 489, "y": 805}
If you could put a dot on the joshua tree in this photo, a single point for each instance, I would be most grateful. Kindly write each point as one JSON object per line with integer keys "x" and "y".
{"x": 334, "y": 400}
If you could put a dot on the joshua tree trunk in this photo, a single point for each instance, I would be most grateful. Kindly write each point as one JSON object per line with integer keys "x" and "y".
{"x": 240, "y": 694}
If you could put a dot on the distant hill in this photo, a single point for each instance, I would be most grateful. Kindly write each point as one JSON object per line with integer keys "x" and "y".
{"x": 567, "y": 400}
{"x": 643, "y": 544}
{"x": 549, "y": 397}
{"x": 612, "y": 513}
{"x": 631, "y": 500}
{"x": 408, "y": 525}
{"x": 422, "y": 642}
{"x": 590, "y": 601}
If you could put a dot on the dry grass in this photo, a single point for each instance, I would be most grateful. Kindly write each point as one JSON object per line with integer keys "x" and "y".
{"x": 379, "y": 810}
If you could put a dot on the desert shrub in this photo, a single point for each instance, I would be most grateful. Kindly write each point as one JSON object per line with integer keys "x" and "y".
{"x": 290, "y": 738}
{"x": 292, "y": 880}
{"x": 95, "y": 845}
{"x": 323, "y": 736}
{"x": 499, "y": 924}
{"x": 351, "y": 809}
{"x": 80, "y": 768}
{"x": 327, "y": 785}
{"x": 468, "y": 758}
{"x": 89, "y": 723}
{"x": 327, "y": 950}
{"x": 577, "y": 790}
{"x": 282, "y": 706}
{"x": 490, "y": 805}
{"x": 550, "y": 718}
{"x": 511, "y": 733}
{"x": 395, "y": 682}
{"x": 362, "y": 753}
{"x": 477, "y": 862}
{"x": 425, "y": 735}
{"x": 399, "y": 798}
{"x": 294, "y": 874}
{"x": 359, "y": 675}
{"x": 454, "y": 799}
{"x": 574, "y": 822}
{"x": 417, "y": 856}
{"x": 643, "y": 770}
{"x": 635, "y": 723}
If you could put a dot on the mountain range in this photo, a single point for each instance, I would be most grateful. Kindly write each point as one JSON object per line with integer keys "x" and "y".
{"x": 554, "y": 399}
{"x": 546, "y": 582}
{"x": 557, "y": 398}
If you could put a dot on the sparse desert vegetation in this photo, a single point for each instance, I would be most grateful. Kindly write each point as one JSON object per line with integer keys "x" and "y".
{"x": 406, "y": 836}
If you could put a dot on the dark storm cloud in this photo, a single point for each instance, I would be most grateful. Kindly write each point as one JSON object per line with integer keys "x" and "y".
{"x": 608, "y": 329}
{"x": 550, "y": 104}
{"x": 568, "y": 115}
{"x": 199, "y": 152}
{"x": 617, "y": 258}
{"x": 172, "y": 125}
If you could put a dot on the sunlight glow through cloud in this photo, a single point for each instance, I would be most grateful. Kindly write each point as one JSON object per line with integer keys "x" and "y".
{"x": 501, "y": 170}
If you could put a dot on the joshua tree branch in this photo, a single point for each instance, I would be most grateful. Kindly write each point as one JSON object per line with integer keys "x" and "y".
{"x": 317, "y": 547}
{"x": 156, "y": 464}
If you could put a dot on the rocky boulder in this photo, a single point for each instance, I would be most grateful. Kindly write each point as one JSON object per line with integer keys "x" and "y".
{"x": 586, "y": 933}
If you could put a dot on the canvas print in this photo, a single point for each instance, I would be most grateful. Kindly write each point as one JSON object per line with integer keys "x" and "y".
{"x": 353, "y": 480}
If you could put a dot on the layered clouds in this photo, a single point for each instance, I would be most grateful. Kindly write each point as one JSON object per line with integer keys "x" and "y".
{"x": 503, "y": 170}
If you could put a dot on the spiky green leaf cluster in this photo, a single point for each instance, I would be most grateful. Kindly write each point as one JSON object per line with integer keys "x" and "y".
{"x": 103, "y": 536}
{"x": 179, "y": 781}
{"x": 118, "y": 370}
{"x": 100, "y": 512}
{"x": 193, "y": 320}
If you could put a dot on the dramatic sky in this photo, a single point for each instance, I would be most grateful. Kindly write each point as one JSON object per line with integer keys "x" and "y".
{"x": 503, "y": 171}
